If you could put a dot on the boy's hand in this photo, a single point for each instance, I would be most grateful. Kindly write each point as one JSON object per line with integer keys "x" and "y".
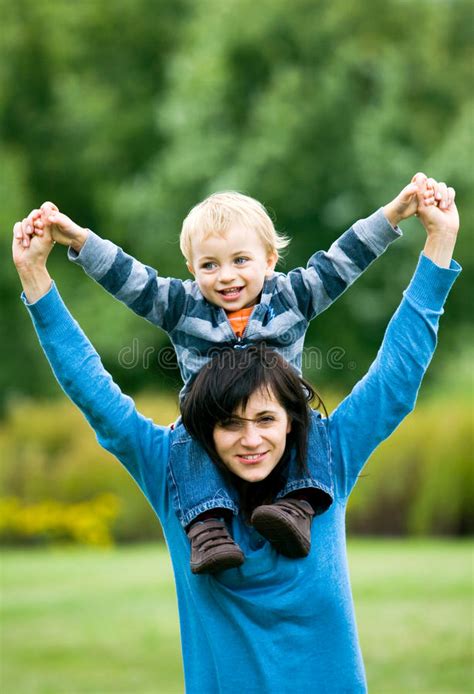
{"x": 61, "y": 228}
{"x": 406, "y": 203}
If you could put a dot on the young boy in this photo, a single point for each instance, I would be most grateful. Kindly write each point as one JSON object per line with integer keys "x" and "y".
{"x": 231, "y": 247}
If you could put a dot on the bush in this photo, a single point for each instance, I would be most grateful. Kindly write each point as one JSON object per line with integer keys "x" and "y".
{"x": 420, "y": 481}
{"x": 417, "y": 482}
{"x": 50, "y": 453}
{"x": 86, "y": 523}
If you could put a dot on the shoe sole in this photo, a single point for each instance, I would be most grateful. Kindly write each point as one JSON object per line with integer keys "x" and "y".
{"x": 218, "y": 563}
{"x": 283, "y": 536}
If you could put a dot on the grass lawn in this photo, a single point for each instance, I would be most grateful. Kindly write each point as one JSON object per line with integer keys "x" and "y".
{"x": 79, "y": 620}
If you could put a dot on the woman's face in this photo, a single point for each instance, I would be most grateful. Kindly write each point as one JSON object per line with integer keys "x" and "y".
{"x": 253, "y": 441}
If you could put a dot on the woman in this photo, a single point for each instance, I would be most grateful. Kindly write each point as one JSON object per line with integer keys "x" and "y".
{"x": 274, "y": 624}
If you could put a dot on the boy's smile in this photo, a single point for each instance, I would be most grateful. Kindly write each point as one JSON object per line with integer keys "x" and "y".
{"x": 230, "y": 294}
{"x": 231, "y": 269}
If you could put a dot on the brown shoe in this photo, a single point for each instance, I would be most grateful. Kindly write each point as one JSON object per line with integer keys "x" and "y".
{"x": 212, "y": 548}
{"x": 287, "y": 525}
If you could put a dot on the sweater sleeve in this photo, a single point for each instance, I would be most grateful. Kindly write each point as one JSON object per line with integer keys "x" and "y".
{"x": 139, "y": 444}
{"x": 388, "y": 392}
{"x": 158, "y": 299}
{"x": 329, "y": 273}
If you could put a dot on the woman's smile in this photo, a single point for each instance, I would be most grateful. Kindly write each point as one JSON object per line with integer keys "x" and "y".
{"x": 251, "y": 459}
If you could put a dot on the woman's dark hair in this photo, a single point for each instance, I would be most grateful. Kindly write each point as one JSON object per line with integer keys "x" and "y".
{"x": 229, "y": 380}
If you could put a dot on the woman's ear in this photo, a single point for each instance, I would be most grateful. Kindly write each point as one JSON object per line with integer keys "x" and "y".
{"x": 288, "y": 426}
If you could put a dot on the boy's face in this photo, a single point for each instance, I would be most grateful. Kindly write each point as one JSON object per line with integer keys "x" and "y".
{"x": 231, "y": 269}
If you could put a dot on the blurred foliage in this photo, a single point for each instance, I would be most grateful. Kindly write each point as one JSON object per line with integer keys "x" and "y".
{"x": 127, "y": 113}
{"x": 421, "y": 480}
{"x": 50, "y": 453}
{"x": 417, "y": 482}
{"x": 46, "y": 522}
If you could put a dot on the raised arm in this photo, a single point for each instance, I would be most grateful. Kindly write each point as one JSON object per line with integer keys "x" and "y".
{"x": 388, "y": 392}
{"x": 140, "y": 445}
{"x": 329, "y": 273}
{"x": 158, "y": 299}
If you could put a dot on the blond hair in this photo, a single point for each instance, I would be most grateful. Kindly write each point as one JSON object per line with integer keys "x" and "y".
{"x": 218, "y": 212}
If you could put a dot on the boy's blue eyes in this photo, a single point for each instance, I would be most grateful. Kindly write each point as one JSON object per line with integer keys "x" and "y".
{"x": 241, "y": 260}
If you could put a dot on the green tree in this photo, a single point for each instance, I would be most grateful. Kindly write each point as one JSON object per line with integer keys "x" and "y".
{"x": 126, "y": 114}
{"x": 79, "y": 85}
{"x": 322, "y": 112}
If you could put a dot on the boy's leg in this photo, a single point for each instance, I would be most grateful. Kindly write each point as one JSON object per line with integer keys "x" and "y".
{"x": 204, "y": 502}
{"x": 287, "y": 522}
{"x": 197, "y": 485}
{"x": 212, "y": 547}
{"x": 318, "y": 500}
{"x": 287, "y": 525}
{"x": 221, "y": 513}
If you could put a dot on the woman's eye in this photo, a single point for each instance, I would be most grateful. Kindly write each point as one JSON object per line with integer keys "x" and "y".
{"x": 231, "y": 424}
{"x": 266, "y": 420}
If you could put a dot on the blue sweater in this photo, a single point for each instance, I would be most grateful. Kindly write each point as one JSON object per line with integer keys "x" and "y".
{"x": 274, "y": 624}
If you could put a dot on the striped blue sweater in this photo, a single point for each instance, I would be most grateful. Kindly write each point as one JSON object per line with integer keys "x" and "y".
{"x": 288, "y": 301}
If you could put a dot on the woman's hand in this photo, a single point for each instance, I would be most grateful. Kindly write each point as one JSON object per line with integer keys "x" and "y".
{"x": 442, "y": 217}
{"x": 441, "y": 221}
{"x": 37, "y": 251}
{"x": 30, "y": 261}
